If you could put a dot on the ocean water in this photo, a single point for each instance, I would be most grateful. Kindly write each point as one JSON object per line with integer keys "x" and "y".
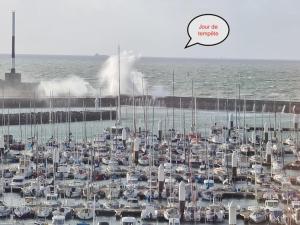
{"x": 182, "y": 122}
{"x": 260, "y": 79}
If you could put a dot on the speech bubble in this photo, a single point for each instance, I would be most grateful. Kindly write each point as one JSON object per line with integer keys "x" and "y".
{"x": 207, "y": 30}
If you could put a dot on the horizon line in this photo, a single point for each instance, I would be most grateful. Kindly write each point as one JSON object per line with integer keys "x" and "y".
{"x": 163, "y": 57}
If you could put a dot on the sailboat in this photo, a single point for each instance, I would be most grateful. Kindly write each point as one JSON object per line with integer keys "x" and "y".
{"x": 258, "y": 214}
{"x": 84, "y": 213}
{"x": 150, "y": 212}
{"x": 172, "y": 211}
{"x": 214, "y": 213}
{"x": 4, "y": 210}
{"x": 58, "y": 220}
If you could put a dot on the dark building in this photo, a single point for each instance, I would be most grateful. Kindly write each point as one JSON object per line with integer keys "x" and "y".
{"x": 12, "y": 85}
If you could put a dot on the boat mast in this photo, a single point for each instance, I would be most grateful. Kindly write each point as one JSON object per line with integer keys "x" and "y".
{"x": 133, "y": 105}
{"x": 239, "y": 95}
{"x": 100, "y": 109}
{"x": 173, "y": 102}
{"x": 69, "y": 119}
{"x": 195, "y": 114}
{"x": 193, "y": 118}
{"x": 275, "y": 119}
{"x": 152, "y": 153}
{"x": 180, "y": 121}
{"x": 3, "y": 117}
{"x": 235, "y": 104}
{"x": 144, "y": 106}
{"x": 20, "y": 127}
{"x": 244, "y": 118}
{"x": 13, "y": 62}
{"x": 254, "y": 109}
{"x": 119, "y": 94}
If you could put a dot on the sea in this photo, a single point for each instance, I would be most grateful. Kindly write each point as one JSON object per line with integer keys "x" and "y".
{"x": 257, "y": 79}
{"x": 218, "y": 78}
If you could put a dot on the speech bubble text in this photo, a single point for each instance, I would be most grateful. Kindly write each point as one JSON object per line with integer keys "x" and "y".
{"x": 207, "y": 30}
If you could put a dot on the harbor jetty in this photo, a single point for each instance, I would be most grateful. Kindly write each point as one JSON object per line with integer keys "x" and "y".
{"x": 55, "y": 117}
{"x": 221, "y": 104}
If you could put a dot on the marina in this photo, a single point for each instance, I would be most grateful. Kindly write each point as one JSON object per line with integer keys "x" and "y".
{"x": 161, "y": 148}
{"x": 194, "y": 173}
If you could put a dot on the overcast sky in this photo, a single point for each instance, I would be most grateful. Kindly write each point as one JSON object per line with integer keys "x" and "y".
{"x": 265, "y": 29}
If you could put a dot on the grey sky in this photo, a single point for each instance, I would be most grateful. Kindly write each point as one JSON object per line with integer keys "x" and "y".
{"x": 265, "y": 29}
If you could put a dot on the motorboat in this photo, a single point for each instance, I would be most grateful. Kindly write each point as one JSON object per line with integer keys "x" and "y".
{"x": 276, "y": 216}
{"x": 207, "y": 195}
{"x": 174, "y": 221}
{"x": 40, "y": 221}
{"x": 66, "y": 212}
{"x": 128, "y": 221}
{"x": 84, "y": 213}
{"x": 208, "y": 183}
{"x": 280, "y": 178}
{"x": 4, "y": 210}
{"x": 43, "y": 212}
{"x": 58, "y": 220}
{"x": 34, "y": 188}
{"x": 111, "y": 205}
{"x": 277, "y": 165}
{"x": 73, "y": 192}
{"x": 171, "y": 213}
{"x": 215, "y": 213}
{"x": 191, "y": 213}
{"x": 22, "y": 212}
{"x": 25, "y": 167}
{"x": 149, "y": 212}
{"x": 247, "y": 149}
{"x": 182, "y": 169}
{"x": 296, "y": 216}
{"x": 270, "y": 195}
{"x": 256, "y": 169}
{"x": 144, "y": 160}
{"x": 130, "y": 192}
{"x": 17, "y": 183}
{"x": 63, "y": 172}
{"x": 52, "y": 200}
{"x": 289, "y": 141}
{"x": 263, "y": 178}
{"x": 151, "y": 194}
{"x": 258, "y": 216}
{"x": 295, "y": 210}
{"x": 217, "y": 139}
{"x": 132, "y": 203}
{"x": 271, "y": 204}
{"x": 275, "y": 212}
{"x": 113, "y": 191}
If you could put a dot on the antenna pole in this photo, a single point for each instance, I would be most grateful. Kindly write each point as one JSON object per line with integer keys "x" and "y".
{"x": 173, "y": 126}
{"x": 119, "y": 94}
{"x": 13, "y": 44}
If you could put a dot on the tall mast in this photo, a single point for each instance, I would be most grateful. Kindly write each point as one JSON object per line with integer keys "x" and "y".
{"x": 119, "y": 94}
{"x": 100, "y": 109}
{"x": 173, "y": 126}
{"x": 69, "y": 118}
{"x": 13, "y": 44}
{"x": 133, "y": 105}
{"x": 193, "y": 115}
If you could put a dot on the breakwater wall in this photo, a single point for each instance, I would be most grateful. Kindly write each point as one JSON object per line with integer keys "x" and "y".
{"x": 168, "y": 101}
{"x": 55, "y": 117}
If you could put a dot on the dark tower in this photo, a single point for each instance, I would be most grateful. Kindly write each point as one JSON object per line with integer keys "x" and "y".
{"x": 13, "y": 77}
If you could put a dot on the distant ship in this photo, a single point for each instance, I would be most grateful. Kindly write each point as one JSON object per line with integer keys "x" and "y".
{"x": 12, "y": 85}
